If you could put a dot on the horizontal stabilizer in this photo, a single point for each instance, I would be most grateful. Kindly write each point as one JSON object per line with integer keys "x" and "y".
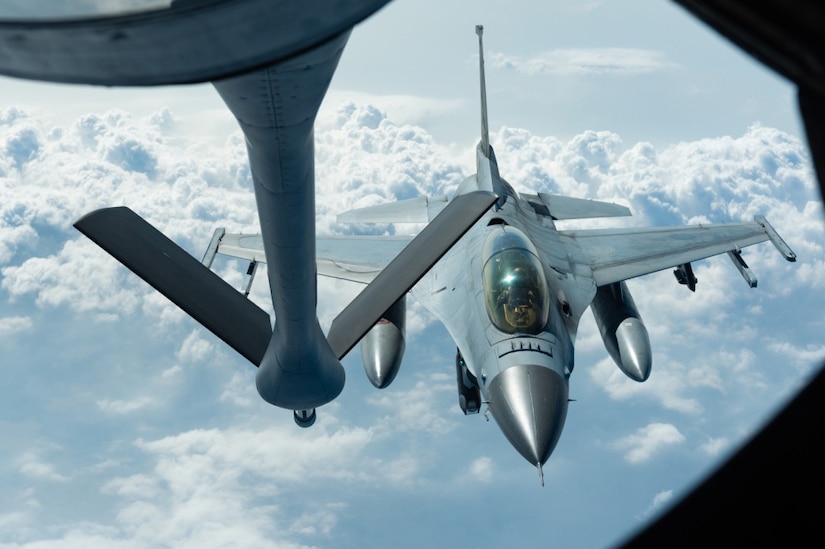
{"x": 190, "y": 285}
{"x": 243, "y": 246}
{"x": 406, "y": 269}
{"x": 567, "y": 207}
{"x": 421, "y": 209}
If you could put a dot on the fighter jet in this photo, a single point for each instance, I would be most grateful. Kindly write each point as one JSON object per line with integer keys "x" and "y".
{"x": 511, "y": 291}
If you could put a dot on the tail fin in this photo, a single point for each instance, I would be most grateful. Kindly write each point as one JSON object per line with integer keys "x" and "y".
{"x": 485, "y": 137}
{"x": 487, "y": 176}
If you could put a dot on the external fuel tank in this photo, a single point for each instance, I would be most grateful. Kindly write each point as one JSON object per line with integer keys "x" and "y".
{"x": 383, "y": 347}
{"x": 623, "y": 332}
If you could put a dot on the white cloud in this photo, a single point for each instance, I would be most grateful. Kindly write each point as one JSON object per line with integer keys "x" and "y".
{"x": 660, "y": 500}
{"x": 802, "y": 356}
{"x": 401, "y": 109}
{"x": 78, "y": 276}
{"x": 14, "y": 238}
{"x": 31, "y": 464}
{"x": 715, "y": 446}
{"x": 240, "y": 390}
{"x": 363, "y": 157}
{"x": 648, "y": 441}
{"x": 13, "y": 324}
{"x": 482, "y": 469}
{"x": 195, "y": 349}
{"x": 126, "y": 406}
{"x": 415, "y": 409}
{"x": 318, "y": 521}
{"x": 213, "y": 488}
{"x": 585, "y": 62}
{"x": 666, "y": 386}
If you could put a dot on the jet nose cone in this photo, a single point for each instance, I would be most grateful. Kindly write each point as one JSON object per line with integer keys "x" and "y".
{"x": 529, "y": 403}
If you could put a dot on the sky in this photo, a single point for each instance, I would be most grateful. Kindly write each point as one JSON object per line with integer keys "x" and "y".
{"x": 126, "y": 425}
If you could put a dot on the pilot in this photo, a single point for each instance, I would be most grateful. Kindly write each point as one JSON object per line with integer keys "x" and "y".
{"x": 517, "y": 300}
{"x": 519, "y": 307}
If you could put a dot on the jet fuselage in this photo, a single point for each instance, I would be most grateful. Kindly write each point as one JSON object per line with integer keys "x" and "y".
{"x": 506, "y": 306}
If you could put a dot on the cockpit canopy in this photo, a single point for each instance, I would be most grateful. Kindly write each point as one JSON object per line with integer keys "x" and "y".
{"x": 515, "y": 288}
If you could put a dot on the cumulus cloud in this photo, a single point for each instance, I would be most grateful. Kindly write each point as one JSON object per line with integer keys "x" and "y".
{"x": 195, "y": 348}
{"x": 415, "y": 409}
{"x": 481, "y": 469}
{"x": 648, "y": 441}
{"x": 805, "y": 355}
{"x": 104, "y": 160}
{"x": 14, "y": 324}
{"x": 584, "y": 62}
{"x": 715, "y": 446}
{"x": 667, "y": 387}
{"x": 659, "y": 501}
{"x": 126, "y": 406}
{"x": 679, "y": 385}
{"x": 212, "y": 488}
{"x": 401, "y": 109}
{"x": 75, "y": 276}
{"x": 383, "y": 162}
{"x": 33, "y": 465}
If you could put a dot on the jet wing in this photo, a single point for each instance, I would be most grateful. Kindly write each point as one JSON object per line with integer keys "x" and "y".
{"x": 614, "y": 255}
{"x": 421, "y": 209}
{"x": 354, "y": 258}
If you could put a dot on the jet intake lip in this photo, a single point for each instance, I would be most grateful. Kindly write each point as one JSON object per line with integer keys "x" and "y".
{"x": 529, "y": 404}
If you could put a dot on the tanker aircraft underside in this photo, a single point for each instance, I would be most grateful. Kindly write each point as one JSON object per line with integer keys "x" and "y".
{"x": 490, "y": 265}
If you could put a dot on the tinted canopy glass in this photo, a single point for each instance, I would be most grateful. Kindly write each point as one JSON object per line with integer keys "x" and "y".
{"x": 515, "y": 288}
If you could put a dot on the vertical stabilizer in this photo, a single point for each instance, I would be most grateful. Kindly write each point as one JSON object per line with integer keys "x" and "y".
{"x": 487, "y": 177}
{"x": 485, "y": 138}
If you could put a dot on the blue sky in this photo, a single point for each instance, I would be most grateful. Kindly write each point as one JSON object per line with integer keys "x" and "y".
{"x": 126, "y": 425}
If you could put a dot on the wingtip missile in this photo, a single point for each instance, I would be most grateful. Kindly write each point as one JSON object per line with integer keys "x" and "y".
{"x": 775, "y": 239}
